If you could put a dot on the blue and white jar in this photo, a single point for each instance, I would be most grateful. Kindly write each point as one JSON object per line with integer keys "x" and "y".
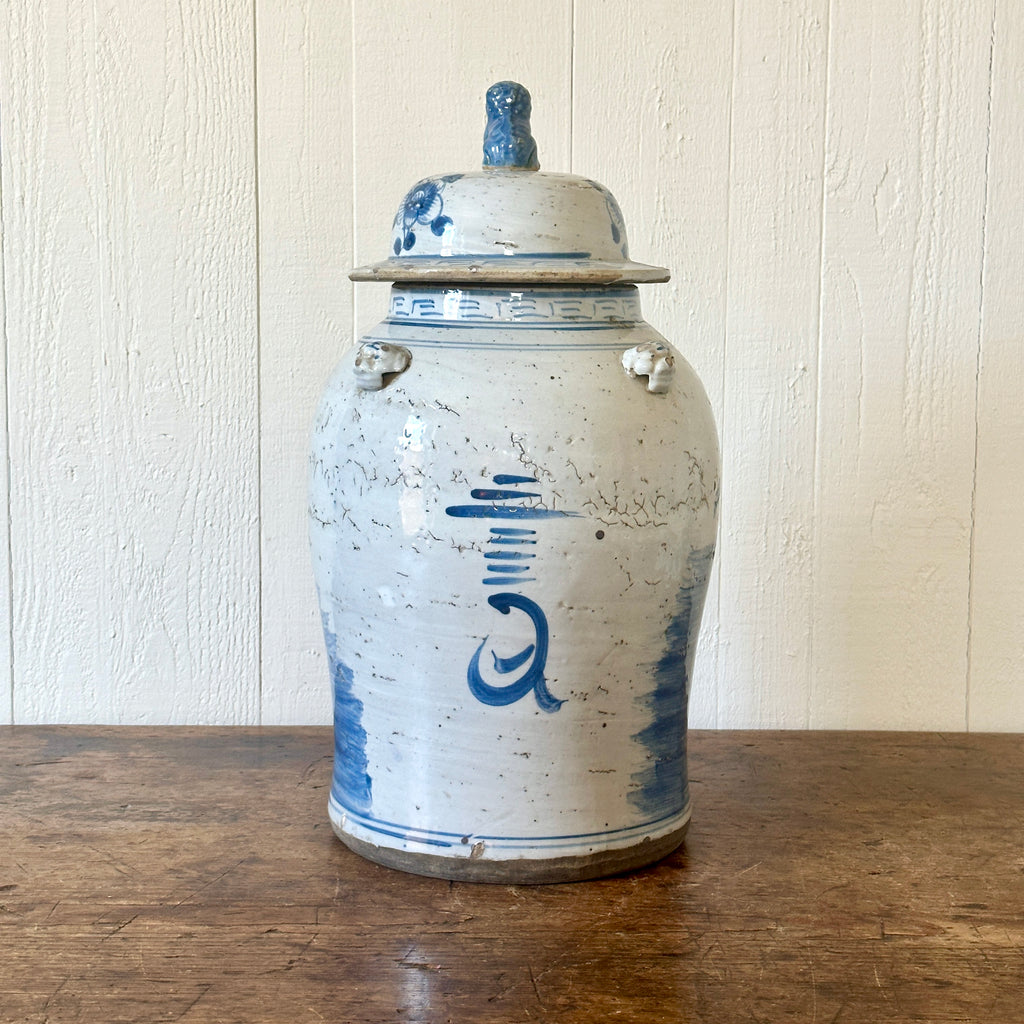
{"x": 514, "y": 494}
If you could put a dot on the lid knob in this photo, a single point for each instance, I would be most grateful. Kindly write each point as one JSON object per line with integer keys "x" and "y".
{"x": 507, "y": 138}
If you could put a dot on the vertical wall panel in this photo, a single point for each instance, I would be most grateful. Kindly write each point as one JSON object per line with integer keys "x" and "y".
{"x": 902, "y": 266}
{"x": 996, "y": 692}
{"x": 419, "y": 77}
{"x": 304, "y": 86}
{"x": 770, "y": 387}
{"x": 130, "y": 206}
{"x": 651, "y": 122}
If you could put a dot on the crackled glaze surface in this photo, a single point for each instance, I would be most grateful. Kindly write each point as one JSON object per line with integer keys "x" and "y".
{"x": 506, "y": 223}
{"x": 512, "y": 541}
{"x": 514, "y": 502}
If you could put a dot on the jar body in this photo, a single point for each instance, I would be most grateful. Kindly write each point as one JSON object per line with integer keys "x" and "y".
{"x": 512, "y": 539}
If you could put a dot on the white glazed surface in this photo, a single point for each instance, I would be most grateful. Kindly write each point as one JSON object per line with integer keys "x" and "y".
{"x": 509, "y": 225}
{"x": 525, "y": 384}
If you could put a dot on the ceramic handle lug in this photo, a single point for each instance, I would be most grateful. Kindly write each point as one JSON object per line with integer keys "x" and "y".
{"x": 377, "y": 360}
{"x": 653, "y": 360}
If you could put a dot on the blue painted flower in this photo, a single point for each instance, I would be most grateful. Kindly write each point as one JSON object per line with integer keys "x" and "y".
{"x": 423, "y": 205}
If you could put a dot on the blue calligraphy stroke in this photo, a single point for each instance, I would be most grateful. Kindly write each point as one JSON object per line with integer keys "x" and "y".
{"x": 490, "y": 507}
{"x": 533, "y": 679}
{"x": 505, "y": 512}
{"x": 486, "y": 494}
{"x": 506, "y": 665}
{"x": 506, "y": 568}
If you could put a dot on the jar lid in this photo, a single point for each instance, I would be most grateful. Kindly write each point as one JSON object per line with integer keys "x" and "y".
{"x": 509, "y": 222}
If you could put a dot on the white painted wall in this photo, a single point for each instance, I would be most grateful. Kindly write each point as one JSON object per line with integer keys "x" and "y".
{"x": 836, "y": 184}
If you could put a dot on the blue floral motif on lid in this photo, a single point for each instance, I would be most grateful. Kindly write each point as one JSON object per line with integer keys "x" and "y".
{"x": 618, "y": 225}
{"x": 424, "y": 204}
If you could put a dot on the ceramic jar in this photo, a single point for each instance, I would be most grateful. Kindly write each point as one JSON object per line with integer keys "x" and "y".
{"x": 514, "y": 493}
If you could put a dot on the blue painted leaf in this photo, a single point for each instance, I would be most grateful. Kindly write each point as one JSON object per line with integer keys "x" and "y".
{"x": 438, "y": 224}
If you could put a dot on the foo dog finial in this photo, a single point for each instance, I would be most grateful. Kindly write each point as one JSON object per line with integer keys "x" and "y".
{"x": 507, "y": 138}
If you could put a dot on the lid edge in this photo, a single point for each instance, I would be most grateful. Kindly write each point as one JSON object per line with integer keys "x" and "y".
{"x": 466, "y": 270}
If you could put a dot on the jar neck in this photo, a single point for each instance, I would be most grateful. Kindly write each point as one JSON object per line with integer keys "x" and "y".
{"x": 540, "y": 304}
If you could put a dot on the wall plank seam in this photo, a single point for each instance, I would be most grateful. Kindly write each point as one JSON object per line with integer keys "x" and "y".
{"x": 6, "y": 607}
{"x": 723, "y": 441}
{"x": 572, "y": 84}
{"x": 258, "y": 341}
{"x": 977, "y": 374}
{"x": 820, "y": 344}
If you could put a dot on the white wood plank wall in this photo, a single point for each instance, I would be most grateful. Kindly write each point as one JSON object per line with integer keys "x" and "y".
{"x": 836, "y": 185}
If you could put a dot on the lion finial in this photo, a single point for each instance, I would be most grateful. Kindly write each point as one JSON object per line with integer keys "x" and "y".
{"x": 507, "y": 138}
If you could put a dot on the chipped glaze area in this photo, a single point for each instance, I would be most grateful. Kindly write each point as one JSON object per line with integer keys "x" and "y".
{"x": 511, "y": 543}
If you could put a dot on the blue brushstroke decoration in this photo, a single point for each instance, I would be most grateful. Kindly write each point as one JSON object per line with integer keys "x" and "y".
{"x": 506, "y": 665}
{"x": 533, "y": 679}
{"x": 423, "y": 206}
{"x": 351, "y": 786}
{"x": 507, "y": 138}
{"x": 662, "y": 787}
{"x": 491, "y": 494}
{"x": 510, "y": 573}
{"x": 504, "y": 512}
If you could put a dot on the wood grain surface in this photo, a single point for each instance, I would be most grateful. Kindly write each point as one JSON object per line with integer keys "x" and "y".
{"x": 191, "y": 875}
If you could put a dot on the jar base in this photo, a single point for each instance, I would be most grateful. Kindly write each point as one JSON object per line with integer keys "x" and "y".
{"x": 521, "y": 870}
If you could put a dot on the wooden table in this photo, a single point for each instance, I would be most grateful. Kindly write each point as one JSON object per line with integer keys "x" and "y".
{"x": 191, "y": 875}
